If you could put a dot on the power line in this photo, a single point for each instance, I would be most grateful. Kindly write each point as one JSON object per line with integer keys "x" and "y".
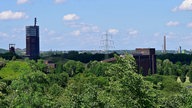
{"x": 107, "y": 43}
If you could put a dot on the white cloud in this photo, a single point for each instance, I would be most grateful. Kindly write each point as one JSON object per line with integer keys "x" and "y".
{"x": 49, "y": 32}
{"x": 59, "y": 1}
{"x": 83, "y": 27}
{"x": 76, "y": 33}
{"x": 22, "y": 1}
{"x": 71, "y": 17}
{"x": 133, "y": 32}
{"x": 113, "y": 31}
{"x": 89, "y": 28}
{"x": 172, "y": 23}
{"x": 158, "y": 34}
{"x": 186, "y": 5}
{"x": 3, "y": 34}
{"x": 9, "y": 15}
{"x": 189, "y": 25}
{"x": 174, "y": 9}
{"x": 171, "y": 35}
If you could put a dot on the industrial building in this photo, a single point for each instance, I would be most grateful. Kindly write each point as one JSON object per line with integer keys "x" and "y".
{"x": 12, "y": 48}
{"x": 32, "y": 41}
{"x": 145, "y": 60}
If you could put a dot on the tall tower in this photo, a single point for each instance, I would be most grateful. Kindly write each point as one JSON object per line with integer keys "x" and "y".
{"x": 12, "y": 48}
{"x": 107, "y": 43}
{"x": 32, "y": 41}
{"x": 164, "y": 45}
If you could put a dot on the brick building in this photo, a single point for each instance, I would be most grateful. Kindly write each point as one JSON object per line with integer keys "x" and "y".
{"x": 145, "y": 60}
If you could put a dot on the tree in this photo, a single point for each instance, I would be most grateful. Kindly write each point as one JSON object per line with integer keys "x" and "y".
{"x": 3, "y": 91}
{"x": 159, "y": 67}
{"x": 167, "y": 67}
{"x": 126, "y": 88}
{"x": 177, "y": 68}
{"x": 59, "y": 67}
{"x": 190, "y": 73}
{"x": 170, "y": 85}
{"x": 14, "y": 69}
{"x": 33, "y": 90}
{"x": 97, "y": 68}
{"x": 59, "y": 78}
{"x": 83, "y": 90}
{"x": 183, "y": 77}
{"x": 120, "y": 87}
{"x": 73, "y": 67}
{"x": 2, "y": 63}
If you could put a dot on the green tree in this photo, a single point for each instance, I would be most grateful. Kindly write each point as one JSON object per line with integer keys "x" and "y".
{"x": 33, "y": 90}
{"x": 126, "y": 88}
{"x": 2, "y": 63}
{"x": 83, "y": 91}
{"x": 60, "y": 78}
{"x": 190, "y": 73}
{"x": 97, "y": 68}
{"x": 170, "y": 85}
{"x": 177, "y": 68}
{"x": 73, "y": 67}
{"x": 183, "y": 77}
{"x": 3, "y": 94}
{"x": 59, "y": 67}
{"x": 14, "y": 69}
{"x": 182, "y": 100}
{"x": 167, "y": 67}
{"x": 159, "y": 67}
{"x": 39, "y": 65}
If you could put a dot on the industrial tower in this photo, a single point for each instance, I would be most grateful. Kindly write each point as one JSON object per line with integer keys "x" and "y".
{"x": 164, "y": 45}
{"x": 107, "y": 43}
{"x": 32, "y": 41}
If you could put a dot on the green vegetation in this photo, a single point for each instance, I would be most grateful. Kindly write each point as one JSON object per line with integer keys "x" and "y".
{"x": 74, "y": 84}
{"x": 75, "y": 55}
{"x": 182, "y": 58}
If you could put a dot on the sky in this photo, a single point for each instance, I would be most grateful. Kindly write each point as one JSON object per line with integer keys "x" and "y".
{"x": 83, "y": 24}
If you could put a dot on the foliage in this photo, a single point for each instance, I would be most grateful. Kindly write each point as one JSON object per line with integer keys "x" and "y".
{"x": 183, "y": 58}
{"x": 97, "y": 68}
{"x": 39, "y": 65}
{"x": 170, "y": 85}
{"x": 183, "y": 78}
{"x": 190, "y": 73}
{"x": 102, "y": 85}
{"x": 182, "y": 100}
{"x": 72, "y": 67}
{"x": 14, "y": 69}
{"x": 33, "y": 90}
{"x": 75, "y": 55}
{"x": 167, "y": 67}
{"x": 167, "y": 84}
{"x": 9, "y": 56}
{"x": 2, "y": 63}
{"x": 60, "y": 78}
{"x": 59, "y": 67}
{"x": 83, "y": 91}
{"x": 126, "y": 88}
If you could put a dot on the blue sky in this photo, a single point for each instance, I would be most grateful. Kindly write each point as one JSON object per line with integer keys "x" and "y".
{"x": 81, "y": 24}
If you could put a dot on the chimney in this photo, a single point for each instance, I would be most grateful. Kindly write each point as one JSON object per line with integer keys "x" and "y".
{"x": 164, "y": 50}
{"x": 35, "y": 21}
